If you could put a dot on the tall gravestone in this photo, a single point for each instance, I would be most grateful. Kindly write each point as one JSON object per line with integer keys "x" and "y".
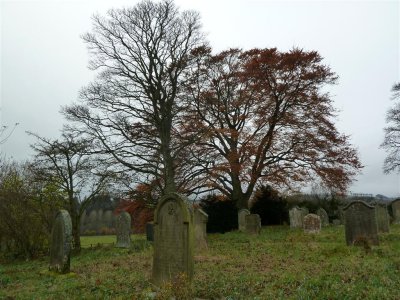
{"x": 312, "y": 223}
{"x": 200, "y": 219}
{"x": 382, "y": 218}
{"x": 296, "y": 216}
{"x": 123, "y": 230}
{"x": 173, "y": 239}
{"x": 242, "y": 219}
{"x": 360, "y": 223}
{"x": 253, "y": 224}
{"x": 396, "y": 211}
{"x": 323, "y": 216}
{"x": 61, "y": 240}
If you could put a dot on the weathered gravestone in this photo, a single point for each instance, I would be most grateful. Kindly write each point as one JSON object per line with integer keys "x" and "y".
{"x": 61, "y": 239}
{"x": 123, "y": 230}
{"x": 360, "y": 224}
{"x": 396, "y": 211}
{"x": 253, "y": 224}
{"x": 242, "y": 219}
{"x": 312, "y": 223}
{"x": 150, "y": 232}
{"x": 173, "y": 239}
{"x": 382, "y": 218}
{"x": 200, "y": 219}
{"x": 296, "y": 216}
{"x": 323, "y": 216}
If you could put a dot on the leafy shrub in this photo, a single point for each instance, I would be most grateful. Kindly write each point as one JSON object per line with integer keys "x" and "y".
{"x": 222, "y": 213}
{"x": 272, "y": 208}
{"x": 26, "y": 212}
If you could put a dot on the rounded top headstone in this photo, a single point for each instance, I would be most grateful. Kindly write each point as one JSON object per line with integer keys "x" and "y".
{"x": 358, "y": 202}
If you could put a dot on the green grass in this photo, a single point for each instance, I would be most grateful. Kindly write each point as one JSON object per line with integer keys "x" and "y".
{"x": 279, "y": 264}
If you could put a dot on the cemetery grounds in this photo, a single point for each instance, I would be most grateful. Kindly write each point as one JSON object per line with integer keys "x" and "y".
{"x": 280, "y": 263}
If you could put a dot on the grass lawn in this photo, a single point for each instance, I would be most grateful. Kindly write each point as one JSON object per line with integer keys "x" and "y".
{"x": 279, "y": 264}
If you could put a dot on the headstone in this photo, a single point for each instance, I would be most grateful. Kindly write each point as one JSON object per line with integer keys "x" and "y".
{"x": 242, "y": 219}
{"x": 336, "y": 222}
{"x": 253, "y": 224}
{"x": 312, "y": 223}
{"x": 123, "y": 230}
{"x": 360, "y": 223}
{"x": 323, "y": 216}
{"x": 61, "y": 239}
{"x": 396, "y": 211}
{"x": 200, "y": 219}
{"x": 173, "y": 239}
{"x": 382, "y": 218}
{"x": 150, "y": 232}
{"x": 296, "y": 216}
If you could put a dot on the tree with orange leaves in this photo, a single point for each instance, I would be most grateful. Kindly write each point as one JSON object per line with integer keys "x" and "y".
{"x": 264, "y": 118}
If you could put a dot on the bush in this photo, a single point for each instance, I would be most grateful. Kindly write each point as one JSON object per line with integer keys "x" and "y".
{"x": 26, "y": 212}
{"x": 222, "y": 213}
{"x": 272, "y": 208}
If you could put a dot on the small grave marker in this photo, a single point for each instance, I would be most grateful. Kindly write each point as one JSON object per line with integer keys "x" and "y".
{"x": 123, "y": 230}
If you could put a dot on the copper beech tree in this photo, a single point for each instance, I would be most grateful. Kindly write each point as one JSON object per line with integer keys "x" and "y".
{"x": 391, "y": 142}
{"x": 264, "y": 118}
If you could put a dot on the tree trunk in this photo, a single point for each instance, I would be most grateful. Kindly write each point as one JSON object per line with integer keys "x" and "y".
{"x": 75, "y": 223}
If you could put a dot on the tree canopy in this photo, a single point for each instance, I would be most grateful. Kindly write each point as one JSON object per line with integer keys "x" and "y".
{"x": 391, "y": 142}
{"x": 264, "y": 117}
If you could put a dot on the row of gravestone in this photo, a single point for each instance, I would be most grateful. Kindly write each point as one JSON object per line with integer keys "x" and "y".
{"x": 173, "y": 224}
{"x": 362, "y": 221}
{"x": 174, "y": 234}
{"x": 61, "y": 239}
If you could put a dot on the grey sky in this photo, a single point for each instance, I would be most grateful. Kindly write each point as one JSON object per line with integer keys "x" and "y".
{"x": 44, "y": 61}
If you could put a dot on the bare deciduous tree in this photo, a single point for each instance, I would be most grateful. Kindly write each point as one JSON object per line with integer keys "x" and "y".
{"x": 69, "y": 164}
{"x": 131, "y": 111}
{"x": 391, "y": 142}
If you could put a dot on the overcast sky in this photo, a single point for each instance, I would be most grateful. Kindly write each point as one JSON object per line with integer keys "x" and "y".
{"x": 44, "y": 61}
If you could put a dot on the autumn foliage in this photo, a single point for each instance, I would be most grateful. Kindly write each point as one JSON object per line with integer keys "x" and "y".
{"x": 265, "y": 117}
{"x": 140, "y": 206}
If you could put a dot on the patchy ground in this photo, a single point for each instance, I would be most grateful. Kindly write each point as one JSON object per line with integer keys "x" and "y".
{"x": 279, "y": 264}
